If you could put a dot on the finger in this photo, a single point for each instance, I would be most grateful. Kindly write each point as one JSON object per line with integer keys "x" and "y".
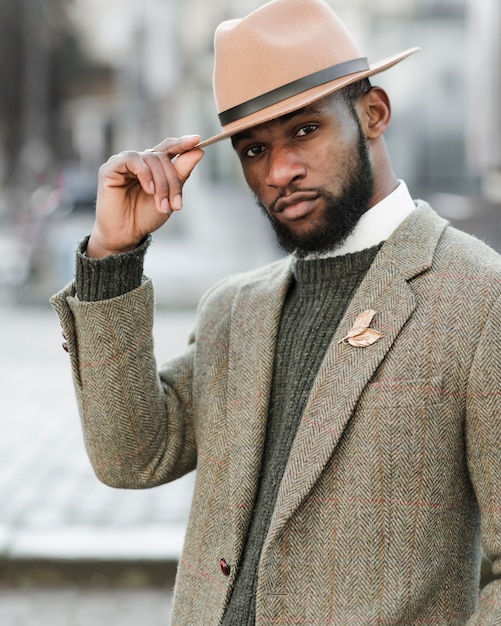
{"x": 166, "y": 183}
{"x": 142, "y": 172}
{"x": 156, "y": 175}
{"x": 170, "y": 176}
{"x": 173, "y": 146}
{"x": 186, "y": 163}
{"x": 123, "y": 168}
{"x": 155, "y": 171}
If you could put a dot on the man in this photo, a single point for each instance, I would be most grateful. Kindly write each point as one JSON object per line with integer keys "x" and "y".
{"x": 341, "y": 406}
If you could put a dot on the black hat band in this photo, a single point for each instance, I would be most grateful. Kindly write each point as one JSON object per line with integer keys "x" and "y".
{"x": 292, "y": 89}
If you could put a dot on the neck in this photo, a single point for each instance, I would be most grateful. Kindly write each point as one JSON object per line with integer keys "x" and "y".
{"x": 385, "y": 179}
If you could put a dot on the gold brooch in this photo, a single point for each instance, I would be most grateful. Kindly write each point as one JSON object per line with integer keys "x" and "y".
{"x": 360, "y": 334}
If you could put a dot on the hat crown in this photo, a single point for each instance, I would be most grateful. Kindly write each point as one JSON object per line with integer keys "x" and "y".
{"x": 279, "y": 43}
{"x": 281, "y": 58}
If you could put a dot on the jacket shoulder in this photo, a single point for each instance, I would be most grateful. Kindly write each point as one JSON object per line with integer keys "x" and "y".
{"x": 431, "y": 242}
{"x": 466, "y": 253}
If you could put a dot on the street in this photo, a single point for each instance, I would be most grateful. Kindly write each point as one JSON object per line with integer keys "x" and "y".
{"x": 78, "y": 607}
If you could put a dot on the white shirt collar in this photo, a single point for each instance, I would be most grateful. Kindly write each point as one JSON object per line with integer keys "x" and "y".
{"x": 377, "y": 224}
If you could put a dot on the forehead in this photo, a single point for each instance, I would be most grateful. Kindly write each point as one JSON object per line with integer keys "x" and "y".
{"x": 324, "y": 106}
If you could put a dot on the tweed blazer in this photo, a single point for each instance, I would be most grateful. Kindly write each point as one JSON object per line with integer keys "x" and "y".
{"x": 395, "y": 470}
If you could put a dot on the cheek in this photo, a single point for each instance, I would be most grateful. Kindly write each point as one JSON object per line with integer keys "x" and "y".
{"x": 328, "y": 168}
{"x": 338, "y": 161}
{"x": 254, "y": 179}
{"x": 249, "y": 177}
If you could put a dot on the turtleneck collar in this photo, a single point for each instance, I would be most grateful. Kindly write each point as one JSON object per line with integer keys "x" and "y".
{"x": 329, "y": 270}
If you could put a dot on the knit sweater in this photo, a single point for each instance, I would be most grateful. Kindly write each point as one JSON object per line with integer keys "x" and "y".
{"x": 314, "y": 307}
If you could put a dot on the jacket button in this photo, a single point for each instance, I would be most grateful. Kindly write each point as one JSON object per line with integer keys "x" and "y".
{"x": 225, "y": 568}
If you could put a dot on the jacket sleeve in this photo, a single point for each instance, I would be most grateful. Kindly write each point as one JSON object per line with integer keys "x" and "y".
{"x": 483, "y": 436}
{"x": 137, "y": 425}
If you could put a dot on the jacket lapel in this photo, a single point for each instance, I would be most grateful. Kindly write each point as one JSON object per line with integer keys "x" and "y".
{"x": 346, "y": 370}
{"x": 255, "y": 320}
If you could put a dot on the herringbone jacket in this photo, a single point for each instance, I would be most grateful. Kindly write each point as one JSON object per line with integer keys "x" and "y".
{"x": 395, "y": 470}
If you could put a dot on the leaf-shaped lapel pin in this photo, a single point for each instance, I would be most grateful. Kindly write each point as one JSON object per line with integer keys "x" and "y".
{"x": 360, "y": 334}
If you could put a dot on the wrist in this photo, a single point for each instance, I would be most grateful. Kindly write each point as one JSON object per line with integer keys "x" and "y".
{"x": 96, "y": 250}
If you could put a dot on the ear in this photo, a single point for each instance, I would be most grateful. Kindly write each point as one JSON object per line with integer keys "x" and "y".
{"x": 374, "y": 109}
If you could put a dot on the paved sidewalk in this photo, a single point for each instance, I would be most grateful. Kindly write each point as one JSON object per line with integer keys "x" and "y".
{"x": 77, "y": 607}
{"x": 52, "y": 506}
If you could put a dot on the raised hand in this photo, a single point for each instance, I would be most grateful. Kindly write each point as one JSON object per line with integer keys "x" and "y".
{"x": 137, "y": 193}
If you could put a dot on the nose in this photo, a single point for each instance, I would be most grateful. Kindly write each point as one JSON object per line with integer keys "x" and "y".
{"x": 284, "y": 166}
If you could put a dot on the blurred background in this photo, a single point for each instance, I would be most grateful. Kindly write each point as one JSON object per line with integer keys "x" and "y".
{"x": 84, "y": 79}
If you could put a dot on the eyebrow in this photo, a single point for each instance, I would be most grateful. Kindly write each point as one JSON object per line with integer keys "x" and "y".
{"x": 283, "y": 119}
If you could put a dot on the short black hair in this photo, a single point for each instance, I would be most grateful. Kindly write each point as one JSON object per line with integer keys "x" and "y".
{"x": 352, "y": 92}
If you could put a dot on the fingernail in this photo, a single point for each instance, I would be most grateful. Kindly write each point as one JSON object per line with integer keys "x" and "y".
{"x": 177, "y": 203}
{"x": 152, "y": 187}
{"x": 164, "y": 206}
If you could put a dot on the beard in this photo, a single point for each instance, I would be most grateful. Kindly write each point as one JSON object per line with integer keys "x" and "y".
{"x": 342, "y": 211}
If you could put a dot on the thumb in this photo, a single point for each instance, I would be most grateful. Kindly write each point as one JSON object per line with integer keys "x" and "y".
{"x": 185, "y": 163}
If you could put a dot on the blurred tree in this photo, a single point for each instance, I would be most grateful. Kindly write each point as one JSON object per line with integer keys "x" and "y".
{"x": 11, "y": 44}
{"x": 41, "y": 64}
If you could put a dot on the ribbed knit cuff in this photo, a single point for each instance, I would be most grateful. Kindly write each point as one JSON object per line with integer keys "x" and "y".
{"x": 112, "y": 276}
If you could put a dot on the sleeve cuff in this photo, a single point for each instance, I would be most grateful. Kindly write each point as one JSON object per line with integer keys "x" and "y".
{"x": 110, "y": 277}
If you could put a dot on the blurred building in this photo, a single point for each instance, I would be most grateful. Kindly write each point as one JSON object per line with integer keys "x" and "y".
{"x": 152, "y": 78}
{"x": 446, "y": 99}
{"x": 484, "y": 94}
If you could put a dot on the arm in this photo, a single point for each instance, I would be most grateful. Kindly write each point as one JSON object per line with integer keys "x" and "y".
{"x": 483, "y": 433}
{"x": 137, "y": 430}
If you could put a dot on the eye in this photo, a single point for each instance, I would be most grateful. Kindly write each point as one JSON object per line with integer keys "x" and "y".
{"x": 306, "y": 130}
{"x": 253, "y": 151}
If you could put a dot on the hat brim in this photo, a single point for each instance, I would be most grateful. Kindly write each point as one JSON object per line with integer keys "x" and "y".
{"x": 303, "y": 99}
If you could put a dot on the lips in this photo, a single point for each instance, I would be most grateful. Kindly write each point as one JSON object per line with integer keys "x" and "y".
{"x": 296, "y": 205}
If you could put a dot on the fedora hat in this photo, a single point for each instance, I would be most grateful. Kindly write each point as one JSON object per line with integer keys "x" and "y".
{"x": 280, "y": 58}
